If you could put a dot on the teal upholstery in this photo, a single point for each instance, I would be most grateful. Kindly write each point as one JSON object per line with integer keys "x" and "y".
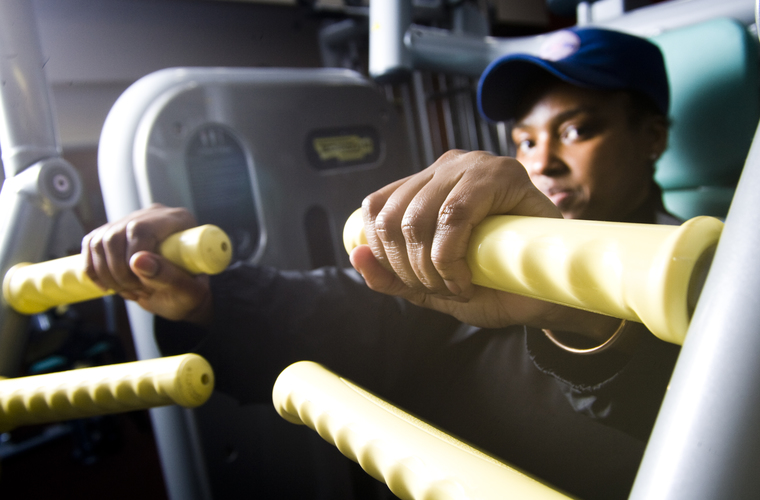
{"x": 715, "y": 106}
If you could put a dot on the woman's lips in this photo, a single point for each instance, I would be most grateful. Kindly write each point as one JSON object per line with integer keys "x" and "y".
{"x": 559, "y": 197}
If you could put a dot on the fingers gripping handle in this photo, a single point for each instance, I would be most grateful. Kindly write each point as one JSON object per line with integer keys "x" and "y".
{"x": 34, "y": 288}
{"x": 641, "y": 272}
{"x": 186, "y": 380}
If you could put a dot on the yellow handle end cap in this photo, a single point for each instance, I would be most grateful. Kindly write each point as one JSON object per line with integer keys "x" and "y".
{"x": 353, "y": 231}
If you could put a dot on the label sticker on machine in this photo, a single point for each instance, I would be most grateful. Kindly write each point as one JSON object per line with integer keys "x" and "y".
{"x": 343, "y": 147}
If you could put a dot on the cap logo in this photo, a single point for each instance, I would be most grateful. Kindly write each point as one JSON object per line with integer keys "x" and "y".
{"x": 560, "y": 45}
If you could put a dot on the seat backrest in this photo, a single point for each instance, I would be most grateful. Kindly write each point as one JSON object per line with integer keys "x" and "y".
{"x": 715, "y": 106}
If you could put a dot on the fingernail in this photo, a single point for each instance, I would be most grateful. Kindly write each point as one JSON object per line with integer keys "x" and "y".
{"x": 453, "y": 287}
{"x": 146, "y": 266}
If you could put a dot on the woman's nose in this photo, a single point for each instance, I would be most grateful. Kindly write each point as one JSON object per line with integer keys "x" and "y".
{"x": 544, "y": 159}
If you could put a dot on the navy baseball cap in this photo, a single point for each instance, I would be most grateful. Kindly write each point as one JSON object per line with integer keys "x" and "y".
{"x": 593, "y": 58}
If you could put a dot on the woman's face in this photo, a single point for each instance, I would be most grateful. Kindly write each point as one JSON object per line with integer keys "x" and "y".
{"x": 583, "y": 150}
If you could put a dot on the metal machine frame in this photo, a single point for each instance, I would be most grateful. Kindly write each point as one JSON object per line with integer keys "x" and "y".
{"x": 39, "y": 184}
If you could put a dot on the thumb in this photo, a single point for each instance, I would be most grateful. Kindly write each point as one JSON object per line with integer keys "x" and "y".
{"x": 170, "y": 291}
{"x": 158, "y": 273}
{"x": 375, "y": 275}
{"x": 145, "y": 265}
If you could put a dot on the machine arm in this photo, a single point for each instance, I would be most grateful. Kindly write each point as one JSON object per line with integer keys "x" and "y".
{"x": 186, "y": 380}
{"x": 34, "y": 288}
{"x": 648, "y": 273}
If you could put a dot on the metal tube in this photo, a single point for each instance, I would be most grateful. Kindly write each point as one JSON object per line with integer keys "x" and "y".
{"x": 389, "y": 59}
{"x": 420, "y": 98}
{"x": 38, "y": 183}
{"x": 441, "y": 50}
{"x": 448, "y": 122}
{"x": 411, "y": 125}
{"x": 29, "y": 203}
{"x": 434, "y": 116}
{"x": 27, "y": 124}
{"x": 706, "y": 441}
{"x": 502, "y": 133}
{"x": 486, "y": 142}
{"x": 654, "y": 19}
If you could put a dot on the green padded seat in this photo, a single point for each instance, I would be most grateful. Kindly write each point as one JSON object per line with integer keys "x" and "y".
{"x": 715, "y": 106}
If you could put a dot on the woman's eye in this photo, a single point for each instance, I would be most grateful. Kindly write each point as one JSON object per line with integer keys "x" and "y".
{"x": 570, "y": 134}
{"x": 525, "y": 145}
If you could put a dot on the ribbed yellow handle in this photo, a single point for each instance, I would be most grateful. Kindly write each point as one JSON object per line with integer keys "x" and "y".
{"x": 186, "y": 380}
{"x": 34, "y": 288}
{"x": 641, "y": 272}
{"x": 415, "y": 460}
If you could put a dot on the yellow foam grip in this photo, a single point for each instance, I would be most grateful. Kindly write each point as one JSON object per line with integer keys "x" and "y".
{"x": 648, "y": 273}
{"x": 186, "y": 380}
{"x": 34, "y": 288}
{"x": 415, "y": 460}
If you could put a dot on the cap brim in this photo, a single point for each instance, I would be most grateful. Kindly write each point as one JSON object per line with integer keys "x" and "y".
{"x": 502, "y": 84}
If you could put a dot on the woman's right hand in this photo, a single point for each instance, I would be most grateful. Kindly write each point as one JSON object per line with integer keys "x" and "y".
{"x": 418, "y": 231}
{"x": 122, "y": 256}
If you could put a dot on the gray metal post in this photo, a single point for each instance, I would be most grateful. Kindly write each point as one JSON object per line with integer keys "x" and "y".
{"x": 29, "y": 202}
{"x": 706, "y": 442}
{"x": 38, "y": 182}
{"x": 389, "y": 59}
{"x": 448, "y": 121}
{"x": 422, "y": 115}
{"x": 177, "y": 440}
{"x": 441, "y": 50}
{"x": 27, "y": 125}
